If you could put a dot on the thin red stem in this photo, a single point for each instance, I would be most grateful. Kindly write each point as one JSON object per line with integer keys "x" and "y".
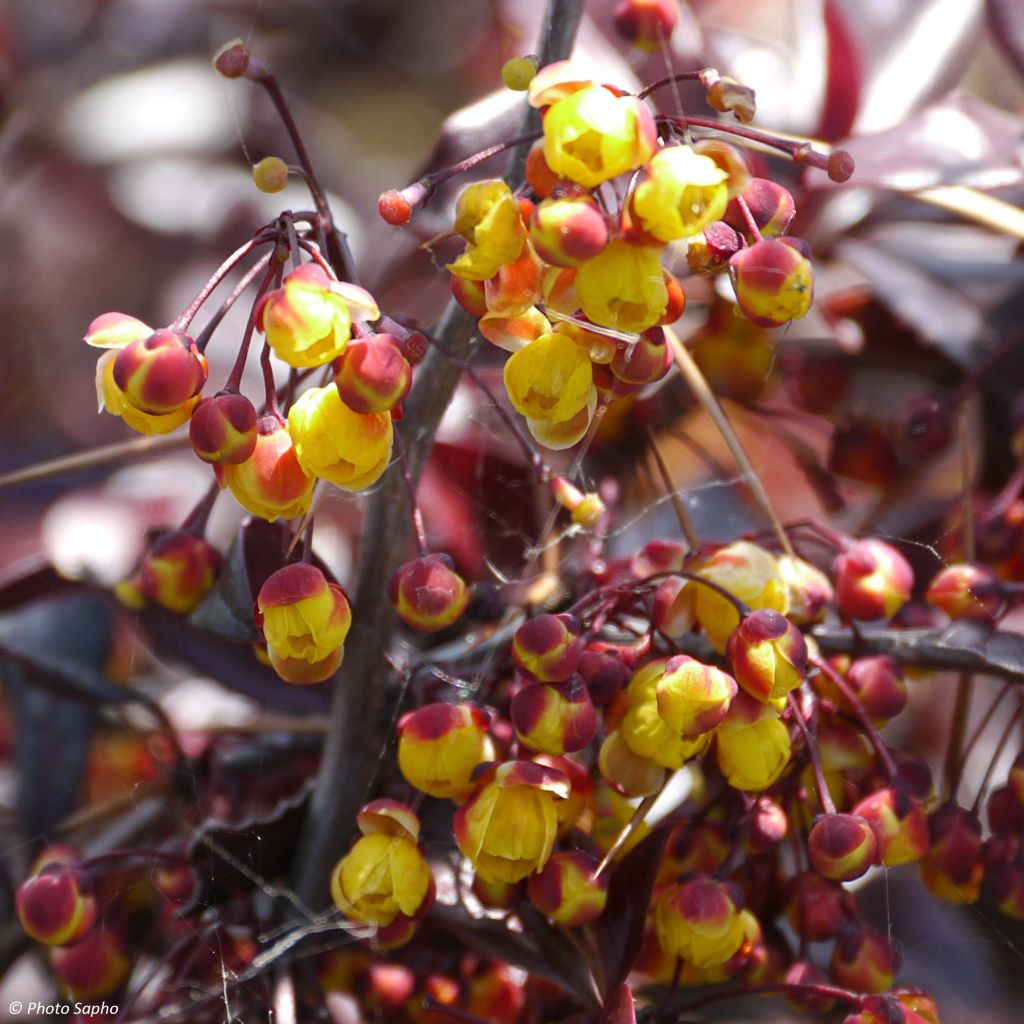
{"x": 824, "y": 796}
{"x": 682, "y": 76}
{"x": 234, "y": 380}
{"x": 203, "y": 337}
{"x": 270, "y": 400}
{"x": 749, "y": 218}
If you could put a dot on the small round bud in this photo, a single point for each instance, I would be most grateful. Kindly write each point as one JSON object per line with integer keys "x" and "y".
{"x": 567, "y": 890}
{"x": 160, "y": 373}
{"x": 52, "y": 907}
{"x": 232, "y": 59}
{"x": 817, "y": 908}
{"x": 178, "y": 570}
{"x": 841, "y": 847}
{"x": 497, "y": 895}
{"x": 773, "y": 282}
{"x": 439, "y": 746}
{"x": 899, "y": 824}
{"x": 223, "y": 429}
{"x": 809, "y": 589}
{"x": 547, "y": 648}
{"x": 270, "y": 174}
{"x": 840, "y": 165}
{"x": 770, "y": 205}
{"x": 93, "y": 968}
{"x": 767, "y": 827}
{"x": 374, "y": 375}
{"x": 646, "y": 24}
{"x": 965, "y": 591}
{"x": 428, "y": 594}
{"x": 554, "y": 718}
{"x": 518, "y": 72}
{"x": 568, "y": 232}
{"x": 647, "y": 360}
{"x": 396, "y": 207}
{"x": 878, "y": 684}
{"x": 700, "y": 922}
{"x": 863, "y": 960}
{"x": 873, "y": 580}
{"x": 768, "y": 655}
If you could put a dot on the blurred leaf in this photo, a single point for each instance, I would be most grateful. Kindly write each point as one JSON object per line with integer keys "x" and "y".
{"x": 30, "y": 582}
{"x": 620, "y": 928}
{"x": 1006, "y": 21}
{"x": 844, "y": 77}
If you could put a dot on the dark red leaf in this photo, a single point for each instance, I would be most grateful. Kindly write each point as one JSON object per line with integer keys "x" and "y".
{"x": 1006, "y": 21}
{"x": 844, "y": 76}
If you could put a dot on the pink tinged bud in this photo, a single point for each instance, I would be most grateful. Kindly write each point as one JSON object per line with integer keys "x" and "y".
{"x": 692, "y": 697}
{"x": 440, "y": 745}
{"x": 863, "y": 960}
{"x": 767, "y": 827}
{"x": 842, "y": 847}
{"x": 646, "y": 24}
{"x": 817, "y": 908}
{"x": 626, "y": 771}
{"x": 952, "y": 868}
{"x": 568, "y": 232}
{"x": 645, "y": 361}
{"x": 396, "y": 207}
{"x": 770, "y": 205}
{"x": 93, "y": 968}
{"x": 873, "y": 580}
{"x": 160, "y": 373}
{"x": 469, "y": 295}
{"x": 554, "y": 718}
{"x": 803, "y": 972}
{"x": 768, "y": 655}
{"x": 773, "y": 282}
{"x": 672, "y": 608}
{"x": 965, "y": 591}
{"x": 567, "y": 891}
{"x": 547, "y": 648}
{"x": 178, "y": 570}
{"x": 899, "y": 824}
{"x": 52, "y": 907}
{"x": 809, "y": 589}
{"x": 604, "y": 673}
{"x": 879, "y": 685}
{"x": 232, "y": 59}
{"x": 658, "y": 556}
{"x": 374, "y": 375}
{"x": 428, "y": 594}
{"x": 223, "y": 429}
{"x": 116, "y": 330}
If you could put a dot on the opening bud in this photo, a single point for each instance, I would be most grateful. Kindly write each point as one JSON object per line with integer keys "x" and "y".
{"x": 178, "y": 570}
{"x": 440, "y": 745}
{"x": 567, "y": 891}
{"x": 899, "y": 824}
{"x": 842, "y": 847}
{"x": 700, "y": 922}
{"x": 547, "y": 648}
{"x": 554, "y": 718}
{"x": 374, "y": 375}
{"x": 427, "y": 593}
{"x": 965, "y": 591}
{"x": 768, "y": 655}
{"x": 160, "y": 373}
{"x": 567, "y": 232}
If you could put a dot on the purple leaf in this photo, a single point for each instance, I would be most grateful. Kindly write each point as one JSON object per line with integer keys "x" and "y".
{"x": 1006, "y": 21}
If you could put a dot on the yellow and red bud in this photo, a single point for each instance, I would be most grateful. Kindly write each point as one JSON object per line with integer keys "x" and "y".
{"x": 592, "y": 135}
{"x": 547, "y": 648}
{"x": 440, "y": 745}
{"x": 726, "y": 95}
{"x": 873, "y": 580}
{"x": 808, "y": 588}
{"x": 336, "y": 443}
{"x": 53, "y": 907}
{"x": 271, "y": 483}
{"x": 752, "y": 744}
{"x": 178, "y": 570}
{"x": 396, "y": 207}
{"x": 768, "y": 655}
{"x": 515, "y": 286}
{"x": 270, "y": 175}
{"x": 512, "y": 333}
{"x": 222, "y": 429}
{"x": 878, "y": 684}
{"x": 693, "y": 697}
{"x": 567, "y": 232}
{"x": 95, "y": 967}
{"x": 700, "y": 922}
{"x": 711, "y": 249}
{"x": 647, "y": 24}
{"x": 305, "y": 621}
{"x": 628, "y": 772}
{"x": 160, "y": 373}
{"x": 306, "y": 322}
{"x": 773, "y": 282}
{"x": 507, "y": 828}
{"x": 116, "y": 330}
{"x": 952, "y": 869}
{"x": 427, "y": 593}
{"x": 899, "y": 823}
{"x": 965, "y": 591}
{"x": 864, "y": 960}
{"x": 816, "y": 908}
{"x": 645, "y": 361}
{"x": 767, "y": 826}
{"x": 771, "y": 208}
{"x": 806, "y": 975}
{"x": 842, "y": 847}
{"x": 568, "y": 891}
{"x": 469, "y": 295}
{"x": 554, "y": 718}
{"x": 374, "y": 376}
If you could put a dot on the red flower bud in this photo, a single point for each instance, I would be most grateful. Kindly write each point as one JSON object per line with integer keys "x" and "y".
{"x": 768, "y": 655}
{"x": 648, "y": 359}
{"x": 568, "y": 232}
{"x": 178, "y": 570}
{"x": 965, "y": 591}
{"x": 396, "y": 207}
{"x": 554, "y": 718}
{"x": 873, "y": 580}
{"x": 159, "y": 374}
{"x": 427, "y": 593}
{"x": 547, "y": 648}
{"x": 864, "y": 960}
{"x": 223, "y": 429}
{"x": 605, "y": 673}
{"x": 52, "y": 907}
{"x": 841, "y": 847}
{"x": 646, "y": 24}
{"x": 767, "y": 826}
{"x": 816, "y": 907}
{"x": 374, "y": 375}
{"x": 803, "y": 972}
{"x": 878, "y": 684}
{"x": 94, "y": 967}
{"x": 899, "y": 824}
{"x": 952, "y": 868}
{"x": 770, "y": 205}
{"x": 567, "y": 890}
{"x": 773, "y": 281}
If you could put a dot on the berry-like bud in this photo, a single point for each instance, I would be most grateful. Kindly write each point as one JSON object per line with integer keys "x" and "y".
{"x": 809, "y": 590}
{"x": 842, "y": 847}
{"x": 693, "y": 697}
{"x": 223, "y": 429}
{"x": 878, "y": 684}
{"x": 773, "y": 282}
{"x": 840, "y": 165}
{"x": 804, "y": 973}
{"x": 767, "y": 826}
{"x": 270, "y": 174}
{"x": 160, "y": 373}
{"x": 232, "y": 59}
{"x": 554, "y": 718}
{"x": 646, "y": 24}
{"x": 567, "y": 232}
{"x": 427, "y": 593}
{"x": 647, "y": 360}
{"x": 93, "y": 968}
{"x": 817, "y": 908}
{"x": 863, "y": 960}
{"x": 604, "y": 672}
{"x": 873, "y": 580}
{"x": 965, "y": 591}
{"x": 305, "y": 621}
{"x": 178, "y": 570}
{"x": 899, "y": 824}
{"x": 518, "y": 72}
{"x": 547, "y": 648}
{"x": 768, "y": 655}
{"x": 52, "y": 907}
{"x": 770, "y": 205}
{"x": 700, "y": 922}
{"x": 374, "y": 376}
{"x": 507, "y": 828}
{"x": 752, "y": 745}
{"x": 440, "y": 745}
{"x": 567, "y": 889}
{"x": 952, "y": 868}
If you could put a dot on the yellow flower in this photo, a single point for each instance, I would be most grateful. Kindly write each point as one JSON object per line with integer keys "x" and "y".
{"x": 381, "y": 877}
{"x": 440, "y": 744}
{"x": 751, "y": 744}
{"x": 550, "y": 379}
{"x": 623, "y": 287}
{"x": 349, "y": 449}
{"x": 592, "y": 135}
{"x": 307, "y": 323}
{"x": 700, "y": 922}
{"x": 507, "y": 828}
{"x": 487, "y": 215}
{"x": 682, "y": 194}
